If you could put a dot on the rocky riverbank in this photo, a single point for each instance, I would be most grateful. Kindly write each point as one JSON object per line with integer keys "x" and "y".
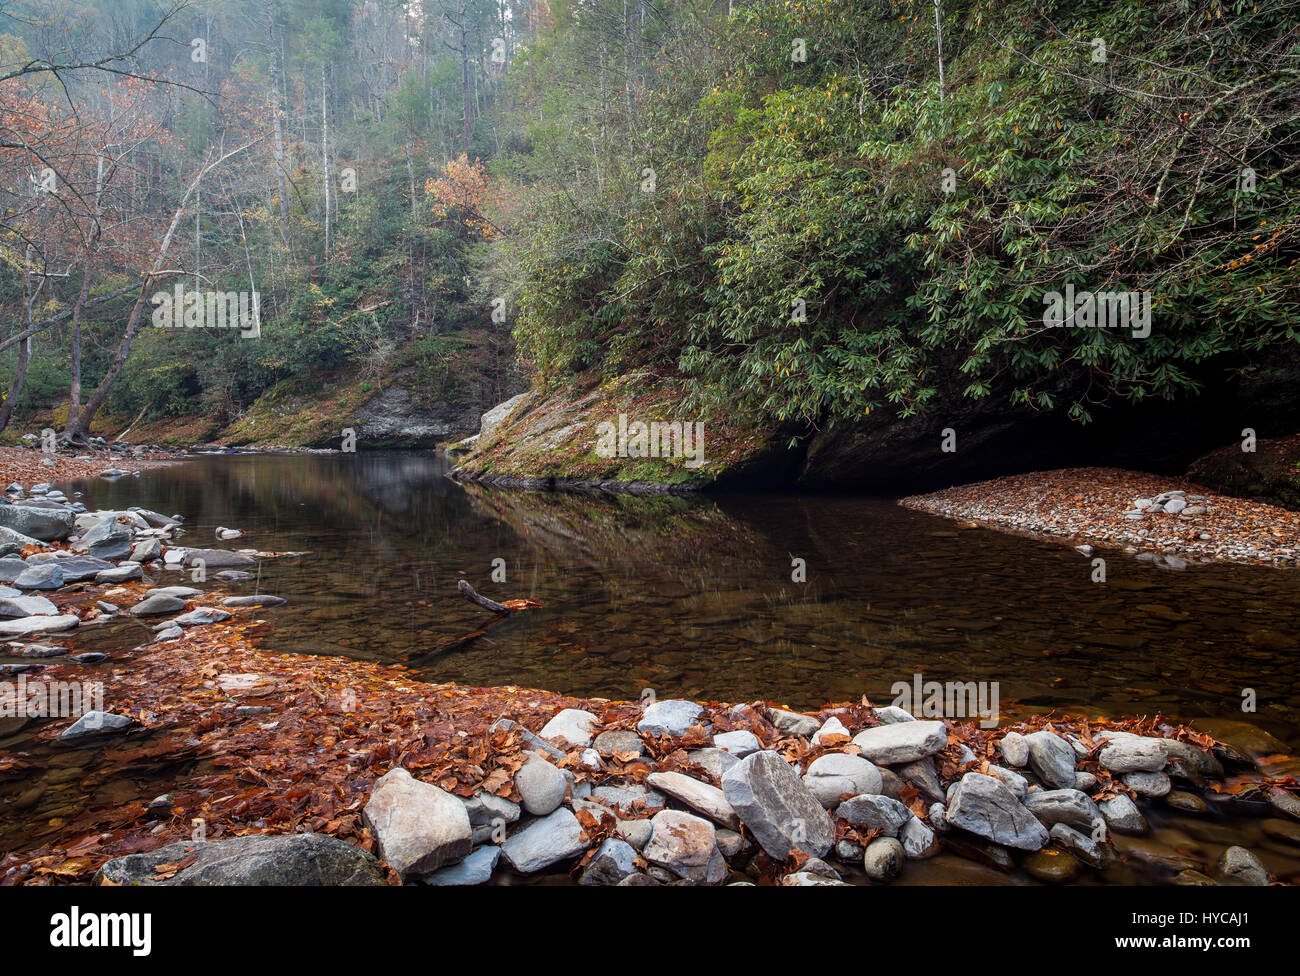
{"x": 278, "y": 768}
{"x": 29, "y": 466}
{"x": 319, "y": 770}
{"x": 1171, "y": 520}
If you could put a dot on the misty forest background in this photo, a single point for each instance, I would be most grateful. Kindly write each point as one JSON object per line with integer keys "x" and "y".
{"x": 644, "y": 185}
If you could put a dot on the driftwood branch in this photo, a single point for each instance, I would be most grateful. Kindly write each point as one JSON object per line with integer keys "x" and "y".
{"x": 474, "y": 596}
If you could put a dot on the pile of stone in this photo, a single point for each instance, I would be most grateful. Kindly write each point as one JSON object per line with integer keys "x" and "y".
{"x": 68, "y": 546}
{"x": 1176, "y": 502}
{"x": 870, "y": 799}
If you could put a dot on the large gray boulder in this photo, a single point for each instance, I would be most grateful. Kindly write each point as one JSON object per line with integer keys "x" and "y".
{"x": 106, "y": 539}
{"x": 24, "y": 626}
{"x": 263, "y": 860}
{"x": 1139, "y": 754}
{"x": 984, "y": 806}
{"x": 11, "y": 541}
{"x": 901, "y": 742}
{"x": 1070, "y": 807}
{"x": 46, "y": 524}
{"x": 418, "y": 826}
{"x": 78, "y": 569}
{"x": 541, "y": 786}
{"x": 40, "y": 576}
{"x": 550, "y": 840}
{"x": 779, "y": 810}
{"x": 1052, "y": 758}
{"x": 837, "y": 773}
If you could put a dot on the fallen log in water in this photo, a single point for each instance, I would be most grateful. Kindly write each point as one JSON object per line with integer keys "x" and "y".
{"x": 474, "y": 596}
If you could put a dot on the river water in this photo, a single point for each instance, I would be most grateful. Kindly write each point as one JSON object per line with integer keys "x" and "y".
{"x": 694, "y": 597}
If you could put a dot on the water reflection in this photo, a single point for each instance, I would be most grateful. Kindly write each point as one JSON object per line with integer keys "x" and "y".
{"x": 694, "y": 596}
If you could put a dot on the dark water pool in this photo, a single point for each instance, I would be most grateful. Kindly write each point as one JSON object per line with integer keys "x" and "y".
{"x": 694, "y": 597}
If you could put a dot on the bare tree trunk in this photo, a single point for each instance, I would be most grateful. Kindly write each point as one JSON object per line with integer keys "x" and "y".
{"x": 80, "y": 428}
{"x": 277, "y": 133}
{"x": 325, "y": 153}
{"x": 24, "y": 349}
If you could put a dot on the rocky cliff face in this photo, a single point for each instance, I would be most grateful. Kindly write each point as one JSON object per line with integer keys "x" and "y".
{"x": 395, "y": 417}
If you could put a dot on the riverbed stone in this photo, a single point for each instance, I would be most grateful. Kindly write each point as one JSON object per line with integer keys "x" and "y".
{"x": 27, "y": 606}
{"x": 883, "y": 859}
{"x": 1052, "y": 758}
{"x": 157, "y": 604}
{"x": 619, "y": 740}
{"x": 217, "y": 559}
{"x": 739, "y": 743}
{"x": 1135, "y": 755}
{"x": 615, "y": 860}
{"x": 874, "y": 812}
{"x": 146, "y": 550}
{"x": 120, "y": 574}
{"x": 418, "y": 827}
{"x": 201, "y": 617}
{"x": 571, "y": 726}
{"x": 41, "y": 576}
{"x": 1239, "y": 866}
{"x": 1070, "y": 807}
{"x": 701, "y": 797}
{"x": 918, "y": 839}
{"x": 1080, "y": 844}
{"x": 485, "y": 809}
{"x": 986, "y": 807}
{"x": 1154, "y": 785}
{"x": 781, "y": 813}
{"x": 1051, "y": 865}
{"x": 923, "y": 775}
{"x": 687, "y": 846}
{"x": 78, "y": 569}
{"x": 96, "y": 723}
{"x": 1122, "y": 815}
{"x": 476, "y": 869}
{"x": 45, "y": 524}
{"x": 541, "y": 786}
{"x": 902, "y": 742}
{"x": 1016, "y": 783}
{"x": 832, "y": 726}
{"x": 264, "y": 860}
{"x": 44, "y": 624}
{"x": 258, "y": 600}
{"x": 794, "y": 723}
{"x": 635, "y": 832}
{"x": 892, "y": 715}
{"x": 672, "y": 716}
{"x": 714, "y": 761}
{"x": 837, "y": 773}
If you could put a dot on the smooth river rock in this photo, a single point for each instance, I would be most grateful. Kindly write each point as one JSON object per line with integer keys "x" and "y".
{"x": 901, "y": 742}
{"x": 781, "y": 813}
{"x": 270, "y": 860}
{"x": 984, "y": 806}
{"x": 419, "y": 827}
